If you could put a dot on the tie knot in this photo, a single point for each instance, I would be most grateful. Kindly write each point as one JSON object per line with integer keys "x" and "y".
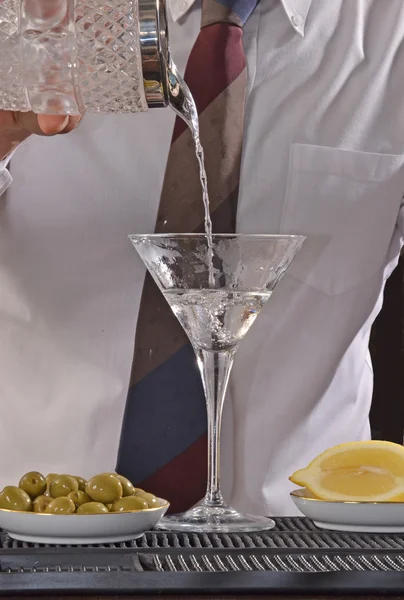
{"x": 235, "y": 12}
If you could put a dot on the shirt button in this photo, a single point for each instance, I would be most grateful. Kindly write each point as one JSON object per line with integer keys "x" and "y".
{"x": 296, "y": 20}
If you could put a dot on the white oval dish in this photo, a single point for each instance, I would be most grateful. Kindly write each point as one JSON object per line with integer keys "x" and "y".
{"x": 43, "y": 528}
{"x": 360, "y": 517}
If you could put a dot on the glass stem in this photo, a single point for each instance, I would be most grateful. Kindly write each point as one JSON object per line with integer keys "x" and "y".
{"x": 215, "y": 368}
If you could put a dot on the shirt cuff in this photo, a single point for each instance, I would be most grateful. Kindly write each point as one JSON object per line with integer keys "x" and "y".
{"x": 5, "y": 178}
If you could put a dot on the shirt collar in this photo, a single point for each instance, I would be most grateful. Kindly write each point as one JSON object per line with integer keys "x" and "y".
{"x": 179, "y": 8}
{"x": 296, "y": 11}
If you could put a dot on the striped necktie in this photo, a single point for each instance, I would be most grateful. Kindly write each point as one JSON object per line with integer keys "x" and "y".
{"x": 163, "y": 444}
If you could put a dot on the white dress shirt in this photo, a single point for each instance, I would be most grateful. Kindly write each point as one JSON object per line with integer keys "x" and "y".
{"x": 323, "y": 156}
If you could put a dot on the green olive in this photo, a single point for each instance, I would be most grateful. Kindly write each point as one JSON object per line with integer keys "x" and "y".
{"x": 130, "y": 503}
{"x": 33, "y": 483}
{"x": 61, "y": 506}
{"x": 14, "y": 498}
{"x": 127, "y": 486}
{"x": 79, "y": 497}
{"x": 82, "y": 483}
{"x": 92, "y": 508}
{"x": 41, "y": 503}
{"x": 105, "y": 488}
{"x": 139, "y": 492}
{"x": 63, "y": 485}
{"x": 50, "y": 477}
{"x": 151, "y": 500}
{"x": 109, "y": 506}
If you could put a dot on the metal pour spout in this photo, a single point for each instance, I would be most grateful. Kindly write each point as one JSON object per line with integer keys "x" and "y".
{"x": 163, "y": 84}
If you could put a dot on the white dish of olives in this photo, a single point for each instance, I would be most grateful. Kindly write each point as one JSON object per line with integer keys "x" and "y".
{"x": 65, "y": 509}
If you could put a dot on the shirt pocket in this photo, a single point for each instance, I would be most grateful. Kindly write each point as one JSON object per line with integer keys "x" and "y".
{"x": 347, "y": 203}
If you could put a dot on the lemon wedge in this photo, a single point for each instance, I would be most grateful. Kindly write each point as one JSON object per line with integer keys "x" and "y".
{"x": 358, "y": 472}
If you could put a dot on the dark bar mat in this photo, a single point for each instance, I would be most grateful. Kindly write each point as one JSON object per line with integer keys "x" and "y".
{"x": 294, "y": 558}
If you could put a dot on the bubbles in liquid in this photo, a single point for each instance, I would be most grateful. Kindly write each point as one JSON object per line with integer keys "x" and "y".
{"x": 216, "y": 320}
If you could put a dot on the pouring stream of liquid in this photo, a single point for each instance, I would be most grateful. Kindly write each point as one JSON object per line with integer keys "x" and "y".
{"x": 183, "y": 104}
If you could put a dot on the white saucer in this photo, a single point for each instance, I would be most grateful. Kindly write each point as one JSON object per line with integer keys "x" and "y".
{"x": 360, "y": 517}
{"x": 42, "y": 528}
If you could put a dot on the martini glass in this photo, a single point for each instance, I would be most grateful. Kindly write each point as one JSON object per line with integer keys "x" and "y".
{"x": 216, "y": 291}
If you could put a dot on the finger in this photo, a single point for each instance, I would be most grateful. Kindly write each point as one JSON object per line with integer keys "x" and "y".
{"x": 72, "y": 124}
{"x": 27, "y": 122}
{"x": 52, "y": 124}
{"x": 43, "y": 125}
{"x": 46, "y": 124}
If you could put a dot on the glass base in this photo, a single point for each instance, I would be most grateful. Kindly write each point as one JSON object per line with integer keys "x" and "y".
{"x": 208, "y": 519}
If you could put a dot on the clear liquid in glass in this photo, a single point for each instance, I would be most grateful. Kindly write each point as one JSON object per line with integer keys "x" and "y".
{"x": 216, "y": 320}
